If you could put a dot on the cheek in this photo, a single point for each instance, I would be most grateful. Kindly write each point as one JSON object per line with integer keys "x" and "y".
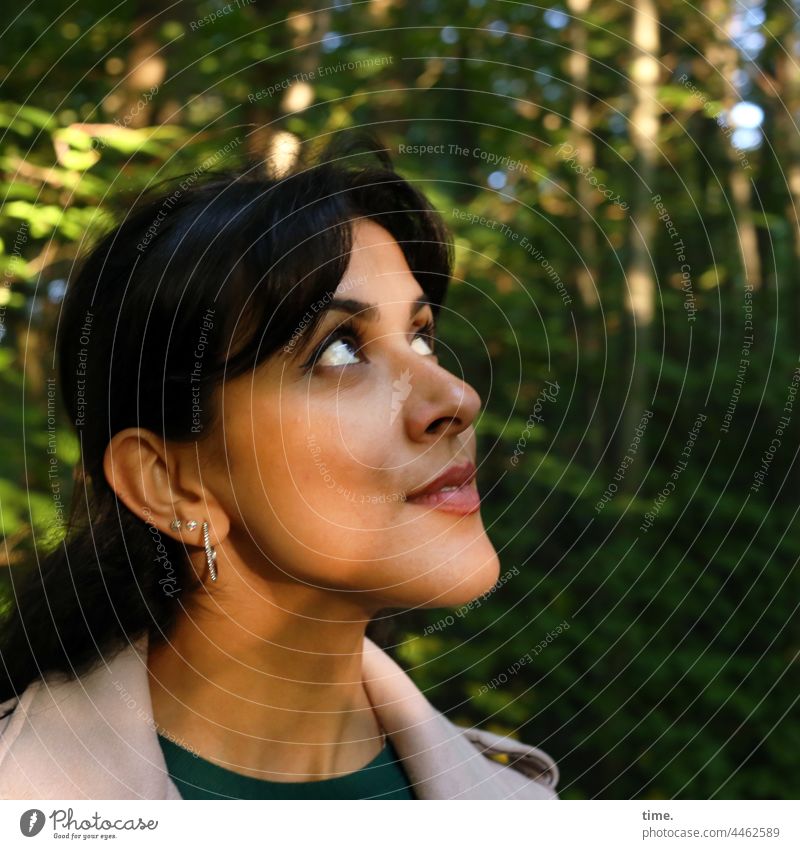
{"x": 318, "y": 500}
{"x": 317, "y": 494}
{"x": 339, "y": 458}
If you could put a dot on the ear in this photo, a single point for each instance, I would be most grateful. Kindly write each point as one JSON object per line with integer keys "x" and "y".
{"x": 161, "y": 481}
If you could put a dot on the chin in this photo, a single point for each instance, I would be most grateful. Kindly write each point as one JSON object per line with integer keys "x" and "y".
{"x": 467, "y": 577}
{"x": 479, "y": 581}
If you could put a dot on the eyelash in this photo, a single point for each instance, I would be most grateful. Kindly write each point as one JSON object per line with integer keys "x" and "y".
{"x": 349, "y": 329}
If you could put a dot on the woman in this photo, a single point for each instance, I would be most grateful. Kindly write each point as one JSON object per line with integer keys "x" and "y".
{"x": 270, "y": 456}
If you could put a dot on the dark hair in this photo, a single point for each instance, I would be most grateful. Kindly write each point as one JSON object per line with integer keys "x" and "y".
{"x": 260, "y": 252}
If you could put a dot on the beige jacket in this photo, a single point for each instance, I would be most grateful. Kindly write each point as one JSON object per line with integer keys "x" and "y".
{"x": 94, "y": 738}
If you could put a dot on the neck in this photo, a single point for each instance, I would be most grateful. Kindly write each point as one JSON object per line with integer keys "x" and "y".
{"x": 265, "y": 678}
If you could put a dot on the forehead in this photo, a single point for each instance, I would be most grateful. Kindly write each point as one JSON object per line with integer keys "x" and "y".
{"x": 377, "y": 270}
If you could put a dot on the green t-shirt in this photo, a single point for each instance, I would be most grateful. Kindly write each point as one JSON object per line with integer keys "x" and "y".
{"x": 197, "y": 778}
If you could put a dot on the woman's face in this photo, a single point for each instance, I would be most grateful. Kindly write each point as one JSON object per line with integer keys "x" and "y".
{"x": 318, "y": 463}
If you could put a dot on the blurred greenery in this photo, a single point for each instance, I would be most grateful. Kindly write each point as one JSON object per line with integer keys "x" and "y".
{"x": 673, "y": 678}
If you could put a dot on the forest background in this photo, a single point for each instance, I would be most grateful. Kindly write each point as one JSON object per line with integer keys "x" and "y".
{"x": 622, "y": 181}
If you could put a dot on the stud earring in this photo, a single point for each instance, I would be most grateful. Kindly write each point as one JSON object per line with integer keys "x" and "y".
{"x": 211, "y": 554}
{"x": 176, "y": 524}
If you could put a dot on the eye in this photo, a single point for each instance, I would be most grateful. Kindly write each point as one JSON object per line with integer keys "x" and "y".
{"x": 335, "y": 352}
{"x": 344, "y": 336}
{"x": 343, "y": 343}
{"x": 425, "y": 335}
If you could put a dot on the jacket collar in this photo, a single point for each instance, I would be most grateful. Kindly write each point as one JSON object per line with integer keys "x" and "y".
{"x": 94, "y": 737}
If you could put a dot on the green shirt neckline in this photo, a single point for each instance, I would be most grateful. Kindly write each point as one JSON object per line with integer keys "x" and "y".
{"x": 197, "y": 778}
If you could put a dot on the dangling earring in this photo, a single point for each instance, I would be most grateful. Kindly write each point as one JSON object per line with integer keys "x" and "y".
{"x": 211, "y": 554}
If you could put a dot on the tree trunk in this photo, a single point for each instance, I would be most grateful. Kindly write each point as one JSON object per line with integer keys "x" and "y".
{"x": 723, "y": 61}
{"x": 787, "y": 142}
{"x": 586, "y": 276}
{"x": 641, "y": 283}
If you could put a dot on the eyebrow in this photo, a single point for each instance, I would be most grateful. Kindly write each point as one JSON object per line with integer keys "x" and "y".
{"x": 371, "y": 312}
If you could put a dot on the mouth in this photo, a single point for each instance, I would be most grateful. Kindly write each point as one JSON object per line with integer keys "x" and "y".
{"x": 454, "y": 491}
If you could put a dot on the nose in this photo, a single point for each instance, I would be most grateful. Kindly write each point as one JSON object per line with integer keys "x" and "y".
{"x": 439, "y": 403}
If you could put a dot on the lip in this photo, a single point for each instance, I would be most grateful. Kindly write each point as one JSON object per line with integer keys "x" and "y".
{"x": 463, "y": 500}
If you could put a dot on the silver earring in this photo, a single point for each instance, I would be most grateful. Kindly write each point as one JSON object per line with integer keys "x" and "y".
{"x": 211, "y": 554}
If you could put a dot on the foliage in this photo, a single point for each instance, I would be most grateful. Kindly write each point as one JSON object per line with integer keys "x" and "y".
{"x": 673, "y": 677}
